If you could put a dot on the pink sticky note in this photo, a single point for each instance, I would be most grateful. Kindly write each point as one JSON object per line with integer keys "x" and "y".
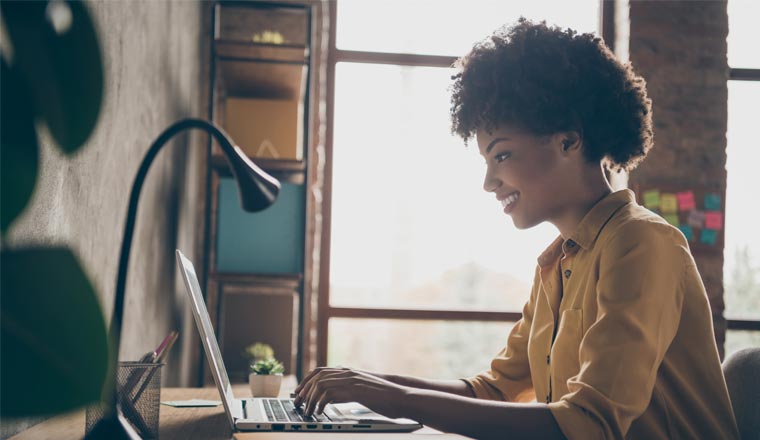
{"x": 713, "y": 220}
{"x": 686, "y": 201}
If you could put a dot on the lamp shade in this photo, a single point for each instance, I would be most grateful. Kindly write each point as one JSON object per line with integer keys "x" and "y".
{"x": 256, "y": 188}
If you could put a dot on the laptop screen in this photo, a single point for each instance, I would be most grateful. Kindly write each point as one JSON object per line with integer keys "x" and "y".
{"x": 203, "y": 322}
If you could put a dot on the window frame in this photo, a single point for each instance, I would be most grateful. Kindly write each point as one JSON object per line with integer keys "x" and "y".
{"x": 740, "y": 74}
{"x": 325, "y": 311}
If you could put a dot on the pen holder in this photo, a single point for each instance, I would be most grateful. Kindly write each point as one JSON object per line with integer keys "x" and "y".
{"x": 139, "y": 397}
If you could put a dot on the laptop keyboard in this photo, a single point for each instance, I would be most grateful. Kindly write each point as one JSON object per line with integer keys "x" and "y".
{"x": 284, "y": 411}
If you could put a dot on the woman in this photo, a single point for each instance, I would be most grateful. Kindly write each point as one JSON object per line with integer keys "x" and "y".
{"x": 616, "y": 339}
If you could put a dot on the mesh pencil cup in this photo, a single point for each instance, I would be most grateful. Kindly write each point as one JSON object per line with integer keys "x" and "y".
{"x": 139, "y": 396}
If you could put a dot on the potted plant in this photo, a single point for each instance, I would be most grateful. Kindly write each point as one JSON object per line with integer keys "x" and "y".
{"x": 265, "y": 372}
{"x": 265, "y": 377}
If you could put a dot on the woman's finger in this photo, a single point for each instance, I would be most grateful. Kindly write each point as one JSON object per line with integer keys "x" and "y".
{"x": 328, "y": 396}
{"x": 307, "y": 394}
{"x": 326, "y": 387}
{"x": 311, "y": 400}
{"x": 307, "y": 378}
{"x": 308, "y": 385}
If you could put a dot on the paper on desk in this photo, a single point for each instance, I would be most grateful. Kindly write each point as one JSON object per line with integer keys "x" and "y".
{"x": 359, "y": 412}
{"x": 192, "y": 403}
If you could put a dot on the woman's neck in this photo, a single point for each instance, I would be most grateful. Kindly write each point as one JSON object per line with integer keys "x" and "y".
{"x": 592, "y": 187}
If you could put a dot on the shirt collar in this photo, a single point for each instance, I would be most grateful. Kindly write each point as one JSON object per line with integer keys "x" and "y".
{"x": 591, "y": 225}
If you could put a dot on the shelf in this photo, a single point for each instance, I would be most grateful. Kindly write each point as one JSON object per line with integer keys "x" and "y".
{"x": 258, "y": 279}
{"x": 249, "y": 22}
{"x": 241, "y": 50}
{"x": 262, "y": 78}
{"x": 292, "y": 171}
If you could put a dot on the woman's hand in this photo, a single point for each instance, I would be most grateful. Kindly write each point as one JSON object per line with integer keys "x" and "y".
{"x": 338, "y": 385}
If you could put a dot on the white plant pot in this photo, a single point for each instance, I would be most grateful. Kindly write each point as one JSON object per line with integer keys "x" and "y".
{"x": 265, "y": 385}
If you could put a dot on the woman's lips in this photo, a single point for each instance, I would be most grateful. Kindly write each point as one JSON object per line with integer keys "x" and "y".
{"x": 509, "y": 202}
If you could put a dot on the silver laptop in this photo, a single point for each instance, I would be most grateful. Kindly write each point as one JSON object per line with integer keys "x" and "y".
{"x": 265, "y": 414}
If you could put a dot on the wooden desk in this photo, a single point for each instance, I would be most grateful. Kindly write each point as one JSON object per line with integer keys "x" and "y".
{"x": 202, "y": 423}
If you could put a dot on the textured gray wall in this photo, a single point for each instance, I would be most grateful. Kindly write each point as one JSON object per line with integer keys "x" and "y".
{"x": 155, "y": 55}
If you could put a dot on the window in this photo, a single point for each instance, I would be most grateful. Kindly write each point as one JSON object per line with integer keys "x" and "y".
{"x": 418, "y": 252}
{"x": 741, "y": 270}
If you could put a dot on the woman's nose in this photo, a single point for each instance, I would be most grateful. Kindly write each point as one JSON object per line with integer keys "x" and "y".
{"x": 490, "y": 183}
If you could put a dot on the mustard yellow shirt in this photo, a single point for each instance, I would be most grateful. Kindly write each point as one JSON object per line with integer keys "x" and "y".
{"x": 617, "y": 335}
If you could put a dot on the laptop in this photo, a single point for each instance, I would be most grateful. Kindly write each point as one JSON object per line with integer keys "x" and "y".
{"x": 265, "y": 414}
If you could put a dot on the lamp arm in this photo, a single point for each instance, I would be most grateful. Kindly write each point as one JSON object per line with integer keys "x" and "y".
{"x": 126, "y": 244}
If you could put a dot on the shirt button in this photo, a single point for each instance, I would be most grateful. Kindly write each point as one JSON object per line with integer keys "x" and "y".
{"x": 567, "y": 273}
{"x": 547, "y": 359}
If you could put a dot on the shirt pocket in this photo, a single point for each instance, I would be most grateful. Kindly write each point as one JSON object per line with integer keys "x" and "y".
{"x": 565, "y": 353}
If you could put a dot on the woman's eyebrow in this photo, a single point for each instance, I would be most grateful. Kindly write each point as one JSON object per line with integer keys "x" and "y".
{"x": 494, "y": 142}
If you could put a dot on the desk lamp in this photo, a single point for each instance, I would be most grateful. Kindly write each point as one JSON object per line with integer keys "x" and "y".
{"x": 257, "y": 189}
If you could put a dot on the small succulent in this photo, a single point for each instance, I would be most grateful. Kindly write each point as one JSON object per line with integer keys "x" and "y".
{"x": 267, "y": 366}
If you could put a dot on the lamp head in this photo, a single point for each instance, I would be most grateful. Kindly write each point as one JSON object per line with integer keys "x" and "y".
{"x": 257, "y": 189}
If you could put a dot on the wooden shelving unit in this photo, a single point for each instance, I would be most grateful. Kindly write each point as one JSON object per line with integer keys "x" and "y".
{"x": 264, "y": 50}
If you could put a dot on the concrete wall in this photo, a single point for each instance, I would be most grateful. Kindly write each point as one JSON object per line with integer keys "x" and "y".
{"x": 680, "y": 48}
{"x": 155, "y": 56}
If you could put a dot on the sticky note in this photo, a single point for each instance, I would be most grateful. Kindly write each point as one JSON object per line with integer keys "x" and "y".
{"x": 672, "y": 219}
{"x": 652, "y": 199}
{"x": 687, "y": 232}
{"x": 192, "y": 403}
{"x": 686, "y": 201}
{"x": 696, "y": 219}
{"x": 668, "y": 203}
{"x": 712, "y": 202}
{"x": 714, "y": 220}
{"x": 708, "y": 236}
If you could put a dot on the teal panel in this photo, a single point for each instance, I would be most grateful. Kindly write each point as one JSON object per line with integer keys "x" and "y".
{"x": 270, "y": 241}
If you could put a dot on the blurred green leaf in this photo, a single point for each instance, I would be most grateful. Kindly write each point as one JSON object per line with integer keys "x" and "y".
{"x": 55, "y": 48}
{"x": 18, "y": 147}
{"x": 54, "y": 341}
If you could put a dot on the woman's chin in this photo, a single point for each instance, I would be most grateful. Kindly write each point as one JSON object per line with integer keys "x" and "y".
{"x": 523, "y": 223}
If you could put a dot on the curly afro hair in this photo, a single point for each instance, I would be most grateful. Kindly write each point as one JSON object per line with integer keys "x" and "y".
{"x": 546, "y": 80}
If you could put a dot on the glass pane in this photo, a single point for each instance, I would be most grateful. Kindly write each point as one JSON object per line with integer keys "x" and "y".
{"x": 741, "y": 270}
{"x": 743, "y": 34}
{"x": 429, "y": 349}
{"x": 447, "y": 27}
{"x": 411, "y": 225}
{"x": 739, "y": 339}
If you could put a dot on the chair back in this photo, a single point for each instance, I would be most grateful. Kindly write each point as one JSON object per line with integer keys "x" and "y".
{"x": 742, "y": 372}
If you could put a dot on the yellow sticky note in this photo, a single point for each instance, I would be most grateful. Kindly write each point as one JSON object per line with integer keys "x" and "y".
{"x": 668, "y": 203}
{"x": 652, "y": 199}
{"x": 672, "y": 219}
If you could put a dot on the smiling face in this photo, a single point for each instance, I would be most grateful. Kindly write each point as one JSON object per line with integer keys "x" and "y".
{"x": 527, "y": 173}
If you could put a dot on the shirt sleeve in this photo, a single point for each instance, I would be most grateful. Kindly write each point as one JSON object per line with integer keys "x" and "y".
{"x": 639, "y": 297}
{"x": 509, "y": 378}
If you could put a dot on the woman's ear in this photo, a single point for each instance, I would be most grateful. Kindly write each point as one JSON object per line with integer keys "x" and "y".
{"x": 570, "y": 141}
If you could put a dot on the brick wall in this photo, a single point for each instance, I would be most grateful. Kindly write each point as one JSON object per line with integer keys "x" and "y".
{"x": 680, "y": 49}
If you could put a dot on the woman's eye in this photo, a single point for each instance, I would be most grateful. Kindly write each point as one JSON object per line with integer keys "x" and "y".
{"x": 501, "y": 157}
